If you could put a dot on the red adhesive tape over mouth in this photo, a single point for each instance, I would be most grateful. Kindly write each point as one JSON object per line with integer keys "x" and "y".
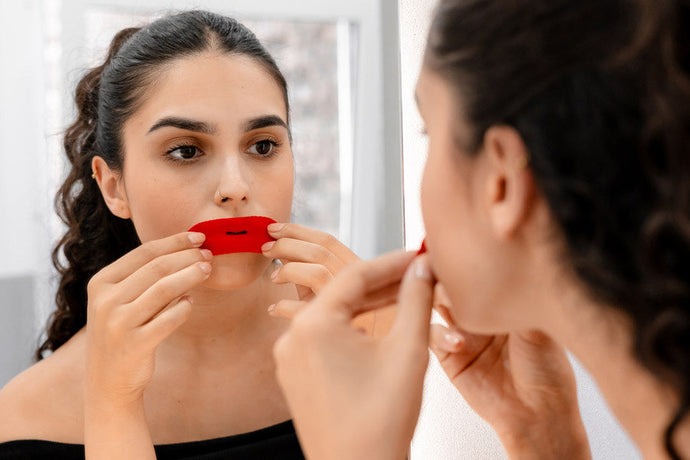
{"x": 235, "y": 234}
{"x": 422, "y": 248}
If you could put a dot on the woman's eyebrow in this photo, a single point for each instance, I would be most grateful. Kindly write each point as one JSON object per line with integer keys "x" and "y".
{"x": 184, "y": 123}
{"x": 263, "y": 122}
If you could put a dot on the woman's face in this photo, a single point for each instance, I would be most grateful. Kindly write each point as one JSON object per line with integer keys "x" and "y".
{"x": 209, "y": 141}
{"x": 475, "y": 267}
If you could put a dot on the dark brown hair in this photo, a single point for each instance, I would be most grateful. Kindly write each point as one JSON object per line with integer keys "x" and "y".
{"x": 106, "y": 97}
{"x": 600, "y": 93}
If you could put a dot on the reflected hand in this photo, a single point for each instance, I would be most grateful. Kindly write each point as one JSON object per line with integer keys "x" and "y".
{"x": 352, "y": 395}
{"x": 310, "y": 259}
{"x": 521, "y": 383}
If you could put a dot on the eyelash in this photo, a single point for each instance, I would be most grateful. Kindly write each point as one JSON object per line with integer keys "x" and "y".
{"x": 274, "y": 148}
{"x": 168, "y": 154}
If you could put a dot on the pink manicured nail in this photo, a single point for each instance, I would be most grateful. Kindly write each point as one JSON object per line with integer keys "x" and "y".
{"x": 421, "y": 269}
{"x": 206, "y": 254}
{"x": 275, "y": 227}
{"x": 267, "y": 246}
{"x": 205, "y": 267}
{"x": 452, "y": 339}
{"x": 196, "y": 238}
{"x": 271, "y": 308}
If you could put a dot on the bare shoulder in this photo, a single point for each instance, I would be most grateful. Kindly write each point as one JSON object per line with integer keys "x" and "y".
{"x": 45, "y": 401}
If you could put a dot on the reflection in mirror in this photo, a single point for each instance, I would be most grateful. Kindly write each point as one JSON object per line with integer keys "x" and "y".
{"x": 335, "y": 56}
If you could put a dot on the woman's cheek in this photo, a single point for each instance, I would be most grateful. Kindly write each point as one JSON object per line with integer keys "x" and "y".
{"x": 160, "y": 218}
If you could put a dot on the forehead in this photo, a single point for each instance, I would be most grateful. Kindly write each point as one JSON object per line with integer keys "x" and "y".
{"x": 211, "y": 86}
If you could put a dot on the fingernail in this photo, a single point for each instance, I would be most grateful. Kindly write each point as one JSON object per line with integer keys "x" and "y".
{"x": 205, "y": 267}
{"x": 188, "y": 299}
{"x": 271, "y": 308}
{"x": 274, "y": 275}
{"x": 267, "y": 246}
{"x": 422, "y": 270}
{"x": 196, "y": 238}
{"x": 275, "y": 227}
{"x": 452, "y": 339}
{"x": 206, "y": 254}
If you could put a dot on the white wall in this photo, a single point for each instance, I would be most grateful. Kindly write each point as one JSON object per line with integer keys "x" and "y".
{"x": 447, "y": 428}
{"x": 24, "y": 231}
{"x": 22, "y": 144}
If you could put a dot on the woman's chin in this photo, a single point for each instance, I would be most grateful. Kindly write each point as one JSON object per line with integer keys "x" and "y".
{"x": 234, "y": 271}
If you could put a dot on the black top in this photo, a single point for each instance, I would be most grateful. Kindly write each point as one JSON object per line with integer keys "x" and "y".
{"x": 274, "y": 442}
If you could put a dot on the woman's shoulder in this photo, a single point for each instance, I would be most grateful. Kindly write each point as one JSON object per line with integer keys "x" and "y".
{"x": 45, "y": 401}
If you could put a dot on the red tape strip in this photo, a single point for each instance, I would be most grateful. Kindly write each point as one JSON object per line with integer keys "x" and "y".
{"x": 235, "y": 234}
{"x": 422, "y": 249}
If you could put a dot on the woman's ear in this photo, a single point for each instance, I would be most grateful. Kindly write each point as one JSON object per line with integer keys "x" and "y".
{"x": 112, "y": 188}
{"x": 510, "y": 183}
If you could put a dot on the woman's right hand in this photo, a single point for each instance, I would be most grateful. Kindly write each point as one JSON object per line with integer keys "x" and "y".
{"x": 521, "y": 383}
{"x": 133, "y": 305}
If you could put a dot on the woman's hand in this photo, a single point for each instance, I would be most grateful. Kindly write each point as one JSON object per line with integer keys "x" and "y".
{"x": 310, "y": 259}
{"x": 133, "y": 305}
{"x": 521, "y": 383}
{"x": 352, "y": 395}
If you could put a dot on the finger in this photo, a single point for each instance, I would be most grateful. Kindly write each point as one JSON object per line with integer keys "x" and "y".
{"x": 326, "y": 240}
{"x": 348, "y": 291}
{"x": 382, "y": 298}
{"x": 445, "y": 314}
{"x": 286, "y": 308}
{"x": 445, "y": 340}
{"x": 455, "y": 359}
{"x": 290, "y": 249}
{"x": 415, "y": 300}
{"x": 138, "y": 257}
{"x": 314, "y": 276}
{"x": 166, "y": 321}
{"x": 164, "y": 291}
{"x": 160, "y": 267}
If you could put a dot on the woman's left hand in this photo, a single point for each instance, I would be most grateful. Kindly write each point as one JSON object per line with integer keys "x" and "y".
{"x": 352, "y": 395}
{"x": 310, "y": 259}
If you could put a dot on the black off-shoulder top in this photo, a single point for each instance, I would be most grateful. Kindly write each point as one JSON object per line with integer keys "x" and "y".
{"x": 274, "y": 442}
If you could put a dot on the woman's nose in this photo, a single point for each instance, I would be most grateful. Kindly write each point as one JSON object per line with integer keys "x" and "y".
{"x": 233, "y": 186}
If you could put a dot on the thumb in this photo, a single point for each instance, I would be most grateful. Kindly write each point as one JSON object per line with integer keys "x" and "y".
{"x": 415, "y": 300}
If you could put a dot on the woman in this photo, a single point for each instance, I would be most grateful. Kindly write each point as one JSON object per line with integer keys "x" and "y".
{"x": 556, "y": 203}
{"x": 186, "y": 121}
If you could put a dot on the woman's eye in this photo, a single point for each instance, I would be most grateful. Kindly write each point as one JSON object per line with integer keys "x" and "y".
{"x": 263, "y": 148}
{"x": 184, "y": 152}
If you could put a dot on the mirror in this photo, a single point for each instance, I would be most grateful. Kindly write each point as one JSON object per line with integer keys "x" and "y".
{"x": 341, "y": 62}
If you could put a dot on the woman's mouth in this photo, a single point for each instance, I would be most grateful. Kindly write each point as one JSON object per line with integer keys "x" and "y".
{"x": 235, "y": 234}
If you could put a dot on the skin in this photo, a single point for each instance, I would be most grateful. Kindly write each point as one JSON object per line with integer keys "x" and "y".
{"x": 511, "y": 307}
{"x": 179, "y": 342}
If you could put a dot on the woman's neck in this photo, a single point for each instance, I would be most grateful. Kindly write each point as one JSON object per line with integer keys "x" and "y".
{"x": 601, "y": 338}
